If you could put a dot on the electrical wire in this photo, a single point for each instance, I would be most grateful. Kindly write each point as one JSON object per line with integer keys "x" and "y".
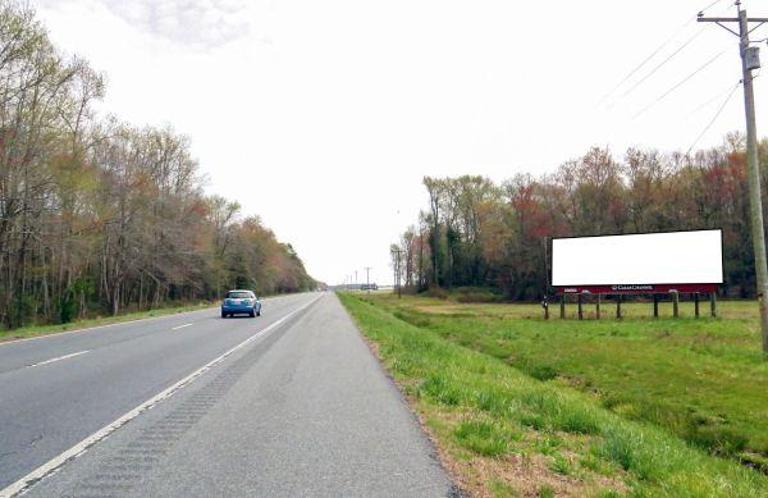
{"x": 717, "y": 115}
{"x": 715, "y": 98}
{"x": 710, "y": 6}
{"x": 654, "y": 53}
{"x": 679, "y": 84}
{"x": 641, "y": 65}
{"x": 664, "y": 62}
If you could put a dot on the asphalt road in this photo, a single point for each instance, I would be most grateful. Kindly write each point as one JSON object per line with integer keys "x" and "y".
{"x": 288, "y": 404}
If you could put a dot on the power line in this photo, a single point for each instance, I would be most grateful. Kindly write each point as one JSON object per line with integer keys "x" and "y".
{"x": 702, "y": 11}
{"x": 654, "y": 53}
{"x": 717, "y": 115}
{"x": 678, "y": 85}
{"x": 717, "y": 97}
{"x": 641, "y": 65}
{"x": 663, "y": 63}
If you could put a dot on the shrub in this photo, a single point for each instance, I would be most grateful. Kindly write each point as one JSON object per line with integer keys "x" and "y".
{"x": 476, "y": 295}
{"x": 436, "y": 292}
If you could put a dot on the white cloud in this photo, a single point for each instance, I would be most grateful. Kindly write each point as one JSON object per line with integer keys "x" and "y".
{"x": 197, "y": 23}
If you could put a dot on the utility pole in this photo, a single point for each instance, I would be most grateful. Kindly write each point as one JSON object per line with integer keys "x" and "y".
{"x": 368, "y": 278}
{"x": 750, "y": 60}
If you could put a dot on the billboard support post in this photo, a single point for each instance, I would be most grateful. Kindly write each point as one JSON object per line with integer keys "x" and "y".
{"x": 562, "y": 306}
{"x": 675, "y": 303}
{"x": 713, "y": 304}
{"x": 579, "y": 302}
{"x": 618, "y": 307}
{"x": 655, "y": 305}
{"x": 597, "y": 307}
{"x": 696, "y": 304}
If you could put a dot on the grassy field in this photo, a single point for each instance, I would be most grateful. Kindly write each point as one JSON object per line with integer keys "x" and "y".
{"x": 526, "y": 407}
{"x": 38, "y": 330}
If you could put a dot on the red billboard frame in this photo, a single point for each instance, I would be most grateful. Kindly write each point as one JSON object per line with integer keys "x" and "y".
{"x": 636, "y": 289}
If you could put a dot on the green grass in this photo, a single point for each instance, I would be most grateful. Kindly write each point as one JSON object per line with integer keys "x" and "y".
{"x": 39, "y": 330}
{"x": 704, "y": 379}
{"x": 474, "y": 371}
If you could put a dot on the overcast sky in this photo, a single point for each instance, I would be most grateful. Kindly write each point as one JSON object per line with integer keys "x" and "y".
{"x": 322, "y": 117}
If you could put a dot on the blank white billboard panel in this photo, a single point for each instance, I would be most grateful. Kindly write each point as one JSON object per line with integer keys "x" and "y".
{"x": 694, "y": 257}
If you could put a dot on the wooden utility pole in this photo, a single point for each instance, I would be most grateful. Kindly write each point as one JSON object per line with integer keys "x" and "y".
{"x": 368, "y": 278}
{"x": 750, "y": 60}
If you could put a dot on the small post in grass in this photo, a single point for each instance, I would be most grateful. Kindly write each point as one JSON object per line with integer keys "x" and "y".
{"x": 713, "y": 304}
{"x": 618, "y": 307}
{"x": 696, "y": 304}
{"x": 655, "y": 305}
{"x": 579, "y": 302}
{"x": 675, "y": 303}
{"x": 562, "y": 306}
{"x": 597, "y": 307}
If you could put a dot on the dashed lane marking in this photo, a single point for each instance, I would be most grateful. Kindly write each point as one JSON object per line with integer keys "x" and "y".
{"x": 54, "y": 360}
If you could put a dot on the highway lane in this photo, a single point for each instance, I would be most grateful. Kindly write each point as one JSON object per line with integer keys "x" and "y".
{"x": 303, "y": 410}
{"x": 57, "y": 390}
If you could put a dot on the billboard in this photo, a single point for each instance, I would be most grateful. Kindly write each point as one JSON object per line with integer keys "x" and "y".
{"x": 686, "y": 261}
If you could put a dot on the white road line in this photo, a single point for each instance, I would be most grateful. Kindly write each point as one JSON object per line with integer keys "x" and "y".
{"x": 109, "y": 325}
{"x": 117, "y": 324}
{"x": 53, "y": 360}
{"x": 52, "y": 465}
{"x": 182, "y": 326}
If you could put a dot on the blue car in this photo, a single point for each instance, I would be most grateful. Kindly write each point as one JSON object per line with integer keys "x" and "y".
{"x": 242, "y": 302}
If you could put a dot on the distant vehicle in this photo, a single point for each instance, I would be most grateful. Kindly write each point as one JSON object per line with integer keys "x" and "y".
{"x": 367, "y": 287}
{"x": 240, "y": 302}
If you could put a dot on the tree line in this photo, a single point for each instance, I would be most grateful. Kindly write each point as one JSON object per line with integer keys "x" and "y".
{"x": 478, "y": 233}
{"x": 98, "y": 216}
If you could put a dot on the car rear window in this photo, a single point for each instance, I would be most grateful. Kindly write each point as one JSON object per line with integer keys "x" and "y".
{"x": 239, "y": 295}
